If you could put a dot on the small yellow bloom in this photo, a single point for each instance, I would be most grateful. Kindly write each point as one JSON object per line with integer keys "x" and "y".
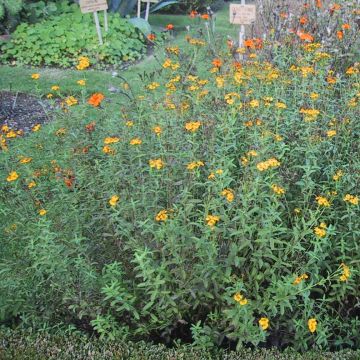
{"x": 320, "y": 231}
{"x": 264, "y": 323}
{"x": 331, "y": 133}
{"x": 114, "y": 200}
{"x": 70, "y": 101}
{"x": 192, "y": 126}
{"x": 36, "y": 128}
{"x": 312, "y": 324}
{"x": 323, "y": 201}
{"x": 35, "y": 76}
{"x": 338, "y": 175}
{"x": 157, "y": 130}
{"x": 83, "y": 63}
{"x": 300, "y": 278}
{"x": 55, "y": 88}
{"x": 13, "y": 175}
{"x": 154, "y": 85}
{"x": 194, "y": 165}
{"x": 345, "y": 272}
{"x": 280, "y": 105}
{"x": 314, "y": 96}
{"x": 42, "y": 212}
{"x": 31, "y": 184}
{"x": 111, "y": 140}
{"x": 129, "y": 123}
{"x": 49, "y": 96}
{"x": 228, "y": 194}
{"x": 156, "y": 163}
{"x": 212, "y": 220}
{"x": 278, "y": 190}
{"x": 135, "y": 141}
{"x": 161, "y": 215}
{"x": 81, "y": 82}
{"x": 108, "y": 150}
{"x": 352, "y": 199}
{"x": 25, "y": 160}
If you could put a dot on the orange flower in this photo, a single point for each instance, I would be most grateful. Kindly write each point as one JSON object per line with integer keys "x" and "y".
{"x": 303, "y": 20}
{"x": 253, "y": 43}
{"x": 193, "y": 14}
{"x": 169, "y": 27}
{"x": 151, "y": 37}
{"x": 205, "y": 16}
{"x": 334, "y": 8}
{"x": 346, "y": 26}
{"x": 217, "y": 62}
{"x": 340, "y": 35}
{"x": 305, "y": 36}
{"x": 96, "y": 99}
{"x": 318, "y": 4}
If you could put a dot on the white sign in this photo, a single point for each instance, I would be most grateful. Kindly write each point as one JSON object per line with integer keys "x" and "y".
{"x": 88, "y": 6}
{"x": 242, "y": 14}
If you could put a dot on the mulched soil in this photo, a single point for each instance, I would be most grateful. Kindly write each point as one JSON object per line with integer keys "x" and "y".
{"x": 22, "y": 111}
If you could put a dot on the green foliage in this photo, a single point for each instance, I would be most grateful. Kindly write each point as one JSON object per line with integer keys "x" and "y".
{"x": 74, "y": 34}
{"x": 127, "y": 247}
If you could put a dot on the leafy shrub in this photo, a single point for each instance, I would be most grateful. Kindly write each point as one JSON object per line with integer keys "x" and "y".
{"x": 218, "y": 205}
{"x": 73, "y": 34}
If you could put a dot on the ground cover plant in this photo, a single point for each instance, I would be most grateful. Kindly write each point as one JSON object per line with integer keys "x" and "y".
{"x": 74, "y": 34}
{"x": 214, "y": 203}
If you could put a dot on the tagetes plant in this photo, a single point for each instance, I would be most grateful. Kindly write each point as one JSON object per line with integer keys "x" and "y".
{"x": 221, "y": 190}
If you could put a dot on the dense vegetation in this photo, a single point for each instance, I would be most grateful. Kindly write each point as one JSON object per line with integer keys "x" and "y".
{"x": 217, "y": 205}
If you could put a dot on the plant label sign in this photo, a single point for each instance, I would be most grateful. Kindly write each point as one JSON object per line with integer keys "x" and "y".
{"x": 242, "y": 14}
{"x": 88, "y": 6}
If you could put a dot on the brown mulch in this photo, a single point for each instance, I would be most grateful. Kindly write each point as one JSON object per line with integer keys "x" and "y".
{"x": 22, "y": 111}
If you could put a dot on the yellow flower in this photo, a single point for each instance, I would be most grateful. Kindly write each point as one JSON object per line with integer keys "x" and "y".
{"x": 345, "y": 272}
{"x": 13, "y": 175}
{"x": 25, "y": 160}
{"x": 323, "y": 201}
{"x": 212, "y": 220}
{"x": 278, "y": 190}
{"x": 108, "y": 150}
{"x": 314, "y": 96}
{"x": 192, "y": 126}
{"x": 156, "y": 163}
{"x": 231, "y": 97}
{"x": 49, "y": 96}
{"x": 129, "y": 123}
{"x": 35, "y": 76}
{"x": 239, "y": 298}
{"x": 111, "y": 140}
{"x": 55, "y": 88}
{"x": 153, "y": 86}
{"x": 280, "y": 105}
{"x": 42, "y": 212}
{"x": 268, "y": 164}
{"x": 70, "y": 101}
{"x": 254, "y": 103}
{"x": 114, "y": 200}
{"x": 352, "y": 199}
{"x": 300, "y": 278}
{"x": 194, "y": 165}
{"x": 309, "y": 114}
{"x": 135, "y": 141}
{"x": 213, "y": 174}
{"x": 166, "y": 64}
{"x": 220, "y": 81}
{"x": 157, "y": 130}
{"x": 264, "y": 323}
{"x": 320, "y": 231}
{"x": 229, "y": 194}
{"x": 36, "y": 128}
{"x": 81, "y": 82}
{"x": 312, "y": 324}
{"x": 331, "y": 133}
{"x": 161, "y": 215}
{"x": 338, "y": 175}
{"x": 31, "y": 184}
{"x": 83, "y": 63}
